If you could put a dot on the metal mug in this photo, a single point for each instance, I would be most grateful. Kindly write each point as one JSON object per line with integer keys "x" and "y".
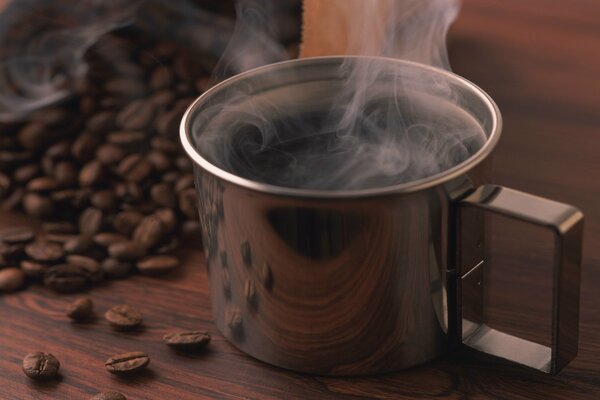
{"x": 367, "y": 281}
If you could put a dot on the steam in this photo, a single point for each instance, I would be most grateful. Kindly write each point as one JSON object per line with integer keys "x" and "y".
{"x": 361, "y": 123}
{"x": 42, "y": 44}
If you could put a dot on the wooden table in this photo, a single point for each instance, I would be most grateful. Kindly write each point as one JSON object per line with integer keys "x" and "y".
{"x": 540, "y": 60}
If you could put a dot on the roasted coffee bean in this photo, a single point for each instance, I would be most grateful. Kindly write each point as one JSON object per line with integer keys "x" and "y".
{"x": 81, "y": 309}
{"x": 23, "y": 174}
{"x": 59, "y": 238}
{"x": 104, "y": 200}
{"x": 66, "y": 278}
{"x": 125, "y": 222}
{"x": 84, "y": 147}
{"x": 105, "y": 239}
{"x": 38, "y": 206}
{"x": 190, "y": 228}
{"x": 128, "y": 363}
{"x": 59, "y": 227}
{"x": 41, "y": 366}
{"x": 33, "y": 136}
{"x": 42, "y": 184}
{"x": 91, "y": 267}
{"x": 129, "y": 192}
{"x": 126, "y": 87}
{"x": 127, "y": 164}
{"x": 162, "y": 99}
{"x": 170, "y": 177}
{"x": 188, "y": 203}
{"x": 124, "y": 317}
{"x": 183, "y": 163}
{"x": 110, "y": 154}
{"x": 90, "y": 221}
{"x": 160, "y": 162}
{"x": 157, "y": 265}
{"x": 165, "y": 145}
{"x": 79, "y": 245}
{"x": 33, "y": 270}
{"x": 184, "y": 182}
{"x": 126, "y": 139}
{"x": 137, "y": 115}
{"x": 189, "y": 341}
{"x": 163, "y": 195}
{"x": 44, "y": 252}
{"x": 91, "y": 174}
{"x": 51, "y": 117}
{"x": 161, "y": 78}
{"x": 115, "y": 269}
{"x": 149, "y": 232}
{"x": 128, "y": 250}
{"x": 17, "y": 235}
{"x": 168, "y": 218}
{"x": 4, "y": 185}
{"x": 139, "y": 171}
{"x": 102, "y": 121}
{"x": 167, "y": 123}
{"x": 11, "y": 280}
{"x": 109, "y": 396}
{"x": 59, "y": 150}
{"x": 65, "y": 173}
{"x": 168, "y": 247}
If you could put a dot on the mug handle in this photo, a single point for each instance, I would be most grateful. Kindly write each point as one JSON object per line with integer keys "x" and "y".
{"x": 566, "y": 222}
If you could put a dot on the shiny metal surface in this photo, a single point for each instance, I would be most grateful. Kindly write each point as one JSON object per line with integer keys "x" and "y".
{"x": 335, "y": 282}
{"x": 566, "y": 222}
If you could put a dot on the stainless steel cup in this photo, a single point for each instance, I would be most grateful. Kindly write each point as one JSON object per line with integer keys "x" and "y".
{"x": 374, "y": 280}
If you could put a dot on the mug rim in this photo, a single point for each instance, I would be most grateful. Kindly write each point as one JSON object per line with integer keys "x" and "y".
{"x": 406, "y": 187}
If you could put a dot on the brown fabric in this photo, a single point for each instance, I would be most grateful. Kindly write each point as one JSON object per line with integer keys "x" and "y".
{"x": 334, "y": 27}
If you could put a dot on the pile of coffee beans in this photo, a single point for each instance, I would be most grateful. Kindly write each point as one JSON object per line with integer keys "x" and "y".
{"x": 45, "y": 366}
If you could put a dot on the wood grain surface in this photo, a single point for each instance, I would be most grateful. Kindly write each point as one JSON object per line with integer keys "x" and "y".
{"x": 539, "y": 60}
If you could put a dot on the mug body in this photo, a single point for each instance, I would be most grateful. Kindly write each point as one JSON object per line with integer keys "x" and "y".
{"x": 341, "y": 282}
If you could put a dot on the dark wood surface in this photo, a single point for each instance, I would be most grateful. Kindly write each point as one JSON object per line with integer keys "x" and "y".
{"x": 540, "y": 61}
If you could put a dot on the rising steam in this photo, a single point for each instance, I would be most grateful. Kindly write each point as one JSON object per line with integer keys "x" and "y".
{"x": 359, "y": 123}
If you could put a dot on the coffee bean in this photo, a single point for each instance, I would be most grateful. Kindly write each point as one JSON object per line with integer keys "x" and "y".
{"x": 59, "y": 150}
{"x": 170, "y": 177}
{"x": 110, "y": 154}
{"x": 11, "y": 280}
{"x": 167, "y": 123}
{"x": 157, "y": 265}
{"x": 184, "y": 182}
{"x": 129, "y": 192}
{"x": 42, "y": 184}
{"x": 126, "y": 139}
{"x": 84, "y": 146}
{"x": 81, "y": 309}
{"x": 159, "y": 161}
{"x": 109, "y": 396}
{"x": 162, "y": 99}
{"x": 189, "y": 341}
{"x": 38, "y": 206}
{"x": 105, "y": 239}
{"x": 163, "y": 195}
{"x": 102, "y": 121}
{"x": 126, "y": 87}
{"x": 115, "y": 269}
{"x": 33, "y": 136}
{"x": 190, "y": 228}
{"x": 91, "y": 174}
{"x": 59, "y": 227}
{"x": 183, "y": 163}
{"x": 13, "y": 200}
{"x": 168, "y": 218}
{"x": 44, "y": 252}
{"x": 51, "y": 117}
{"x": 161, "y": 78}
{"x": 23, "y": 174}
{"x": 90, "y": 221}
{"x": 41, "y": 366}
{"x": 149, "y": 232}
{"x": 79, "y": 245}
{"x": 188, "y": 203}
{"x": 89, "y": 265}
{"x": 139, "y": 171}
{"x": 128, "y": 363}
{"x": 33, "y": 270}
{"x": 165, "y": 145}
{"x": 17, "y": 235}
{"x": 59, "y": 238}
{"x": 137, "y": 115}
{"x": 66, "y": 278}
{"x": 128, "y": 250}
{"x": 124, "y": 317}
{"x": 168, "y": 247}
{"x": 125, "y": 222}
{"x": 104, "y": 200}
{"x": 65, "y": 173}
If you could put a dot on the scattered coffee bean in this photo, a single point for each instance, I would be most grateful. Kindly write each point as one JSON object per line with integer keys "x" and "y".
{"x": 125, "y": 222}
{"x": 128, "y": 250}
{"x": 157, "y": 265}
{"x": 124, "y": 317}
{"x": 190, "y": 341}
{"x": 115, "y": 269}
{"x": 11, "y": 280}
{"x": 81, "y": 309}
{"x": 66, "y": 278}
{"x": 128, "y": 363}
{"x": 90, "y": 221}
{"x": 17, "y": 235}
{"x": 149, "y": 232}
{"x": 109, "y": 396}
{"x": 44, "y": 252}
{"x": 41, "y": 366}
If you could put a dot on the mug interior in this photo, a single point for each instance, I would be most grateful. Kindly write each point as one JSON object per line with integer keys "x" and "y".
{"x": 225, "y": 130}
